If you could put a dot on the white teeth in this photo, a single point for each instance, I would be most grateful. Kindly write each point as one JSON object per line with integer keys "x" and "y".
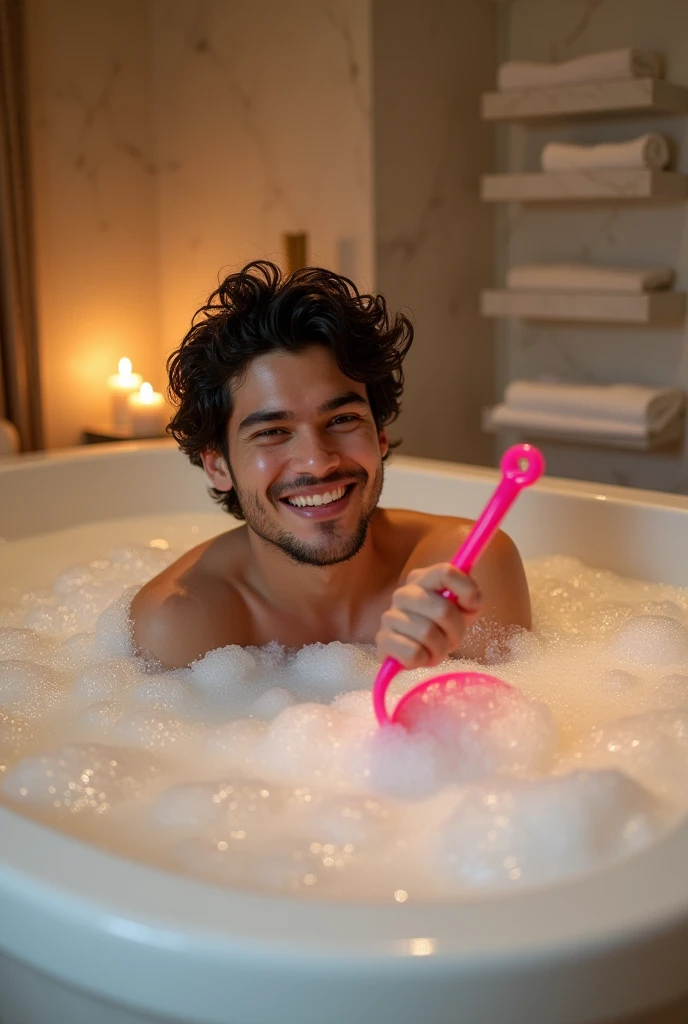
{"x": 300, "y": 501}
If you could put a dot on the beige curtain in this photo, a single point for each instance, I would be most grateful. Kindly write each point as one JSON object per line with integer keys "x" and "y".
{"x": 19, "y": 378}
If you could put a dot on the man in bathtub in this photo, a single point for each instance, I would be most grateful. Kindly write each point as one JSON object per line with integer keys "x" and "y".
{"x": 284, "y": 389}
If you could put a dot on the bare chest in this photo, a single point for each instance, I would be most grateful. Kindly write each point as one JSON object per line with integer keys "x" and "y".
{"x": 306, "y": 622}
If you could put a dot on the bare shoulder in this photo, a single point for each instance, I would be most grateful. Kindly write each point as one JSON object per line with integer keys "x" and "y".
{"x": 499, "y": 572}
{"x": 189, "y": 609}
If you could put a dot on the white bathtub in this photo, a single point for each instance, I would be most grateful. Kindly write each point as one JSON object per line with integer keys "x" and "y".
{"x": 89, "y": 938}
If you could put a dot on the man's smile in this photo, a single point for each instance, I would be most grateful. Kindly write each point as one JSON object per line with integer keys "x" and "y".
{"x": 324, "y": 502}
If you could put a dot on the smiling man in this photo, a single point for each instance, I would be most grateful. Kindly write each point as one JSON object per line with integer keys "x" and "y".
{"x": 284, "y": 389}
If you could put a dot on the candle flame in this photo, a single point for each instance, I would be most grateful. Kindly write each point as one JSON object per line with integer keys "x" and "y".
{"x": 124, "y": 367}
{"x": 146, "y": 392}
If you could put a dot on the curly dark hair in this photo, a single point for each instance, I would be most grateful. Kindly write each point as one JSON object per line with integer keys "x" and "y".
{"x": 256, "y": 311}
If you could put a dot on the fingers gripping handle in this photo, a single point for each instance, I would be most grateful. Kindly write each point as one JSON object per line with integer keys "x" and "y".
{"x": 521, "y": 466}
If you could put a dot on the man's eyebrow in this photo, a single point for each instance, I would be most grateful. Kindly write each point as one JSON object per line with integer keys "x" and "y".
{"x": 265, "y": 416}
{"x": 350, "y": 398}
{"x": 280, "y": 415}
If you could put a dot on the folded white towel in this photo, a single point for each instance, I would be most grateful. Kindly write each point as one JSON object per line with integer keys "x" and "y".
{"x": 593, "y": 67}
{"x": 587, "y": 277}
{"x": 648, "y": 150}
{"x": 578, "y": 426}
{"x": 631, "y": 408}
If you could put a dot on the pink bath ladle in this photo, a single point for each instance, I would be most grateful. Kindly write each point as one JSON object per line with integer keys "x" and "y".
{"x": 521, "y": 466}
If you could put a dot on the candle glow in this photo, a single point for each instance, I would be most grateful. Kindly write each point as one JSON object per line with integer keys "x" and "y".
{"x": 147, "y": 412}
{"x": 121, "y": 385}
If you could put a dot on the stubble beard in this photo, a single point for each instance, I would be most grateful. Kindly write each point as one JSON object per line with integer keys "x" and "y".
{"x": 334, "y": 548}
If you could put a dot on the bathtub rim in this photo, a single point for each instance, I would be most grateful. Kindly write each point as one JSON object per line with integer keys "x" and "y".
{"x": 28, "y": 461}
{"x": 51, "y": 885}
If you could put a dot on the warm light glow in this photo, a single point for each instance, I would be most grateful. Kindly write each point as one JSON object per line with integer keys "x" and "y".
{"x": 421, "y": 947}
{"x": 124, "y": 367}
{"x": 146, "y": 393}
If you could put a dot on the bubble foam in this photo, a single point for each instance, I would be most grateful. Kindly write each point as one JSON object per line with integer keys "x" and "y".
{"x": 266, "y": 768}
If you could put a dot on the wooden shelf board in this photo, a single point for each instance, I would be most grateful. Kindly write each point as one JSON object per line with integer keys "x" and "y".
{"x": 595, "y": 307}
{"x": 669, "y": 440}
{"x": 582, "y": 99}
{"x": 574, "y": 186}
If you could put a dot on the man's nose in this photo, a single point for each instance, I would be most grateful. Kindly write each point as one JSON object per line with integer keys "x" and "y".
{"x": 315, "y": 454}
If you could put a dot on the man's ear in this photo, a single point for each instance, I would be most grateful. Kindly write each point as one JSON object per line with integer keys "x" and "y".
{"x": 217, "y": 470}
{"x": 384, "y": 443}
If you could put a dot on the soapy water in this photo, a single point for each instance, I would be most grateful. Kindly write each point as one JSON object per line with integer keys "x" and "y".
{"x": 265, "y": 768}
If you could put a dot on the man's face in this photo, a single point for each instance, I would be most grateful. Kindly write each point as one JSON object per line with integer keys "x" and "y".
{"x": 305, "y": 455}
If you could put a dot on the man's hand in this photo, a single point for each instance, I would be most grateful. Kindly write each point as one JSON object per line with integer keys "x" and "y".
{"x": 422, "y": 628}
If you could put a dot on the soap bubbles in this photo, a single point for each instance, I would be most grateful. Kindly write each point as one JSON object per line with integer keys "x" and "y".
{"x": 237, "y": 805}
{"x": 79, "y": 779}
{"x": 651, "y": 640}
{"x": 29, "y": 689}
{"x": 651, "y": 748}
{"x": 513, "y": 833}
{"x": 322, "y": 671}
{"x": 265, "y": 767}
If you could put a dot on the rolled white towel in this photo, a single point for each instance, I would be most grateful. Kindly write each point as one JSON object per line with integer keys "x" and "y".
{"x": 593, "y": 67}
{"x": 648, "y": 150}
{"x": 631, "y": 407}
{"x": 587, "y": 277}
{"x": 505, "y": 416}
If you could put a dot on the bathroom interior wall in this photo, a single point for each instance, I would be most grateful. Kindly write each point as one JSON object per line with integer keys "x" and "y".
{"x": 174, "y": 140}
{"x": 434, "y": 238}
{"x": 632, "y": 233}
{"x": 94, "y": 169}
{"x": 262, "y": 115}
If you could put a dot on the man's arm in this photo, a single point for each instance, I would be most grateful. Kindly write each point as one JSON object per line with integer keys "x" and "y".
{"x": 173, "y": 626}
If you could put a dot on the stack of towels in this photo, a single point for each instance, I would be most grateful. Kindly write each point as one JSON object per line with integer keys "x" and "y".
{"x": 610, "y": 65}
{"x": 588, "y": 277}
{"x": 612, "y": 412}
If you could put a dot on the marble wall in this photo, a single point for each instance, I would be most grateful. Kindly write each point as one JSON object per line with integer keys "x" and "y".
{"x": 175, "y": 140}
{"x": 264, "y": 112}
{"x": 95, "y": 175}
{"x": 434, "y": 237}
{"x": 634, "y": 233}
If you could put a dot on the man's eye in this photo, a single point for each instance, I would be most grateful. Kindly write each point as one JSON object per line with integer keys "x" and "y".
{"x": 272, "y": 432}
{"x": 345, "y": 419}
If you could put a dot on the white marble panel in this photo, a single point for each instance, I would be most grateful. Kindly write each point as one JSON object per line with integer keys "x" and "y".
{"x": 265, "y": 109}
{"x": 435, "y": 238}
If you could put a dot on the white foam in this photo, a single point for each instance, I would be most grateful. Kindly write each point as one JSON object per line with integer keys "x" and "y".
{"x": 322, "y": 671}
{"x": 266, "y": 767}
{"x": 652, "y": 748}
{"x": 29, "y": 689}
{"x": 226, "y": 680}
{"x": 516, "y": 833}
{"x": 651, "y": 640}
{"x": 79, "y": 779}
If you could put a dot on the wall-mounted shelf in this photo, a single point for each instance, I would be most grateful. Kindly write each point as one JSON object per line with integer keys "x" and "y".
{"x": 573, "y": 186}
{"x": 582, "y": 99}
{"x": 669, "y": 439}
{"x": 596, "y": 307}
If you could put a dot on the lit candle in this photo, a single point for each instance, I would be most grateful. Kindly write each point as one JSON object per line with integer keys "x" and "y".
{"x": 147, "y": 412}
{"x": 121, "y": 386}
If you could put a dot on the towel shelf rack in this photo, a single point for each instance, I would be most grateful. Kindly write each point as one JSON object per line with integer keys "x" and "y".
{"x": 583, "y": 99}
{"x": 589, "y": 185}
{"x": 646, "y": 308}
{"x": 670, "y": 439}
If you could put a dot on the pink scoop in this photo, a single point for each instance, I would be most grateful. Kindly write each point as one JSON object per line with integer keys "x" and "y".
{"x": 521, "y": 466}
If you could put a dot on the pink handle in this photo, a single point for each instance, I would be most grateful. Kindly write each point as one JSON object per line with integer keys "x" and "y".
{"x": 521, "y": 466}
